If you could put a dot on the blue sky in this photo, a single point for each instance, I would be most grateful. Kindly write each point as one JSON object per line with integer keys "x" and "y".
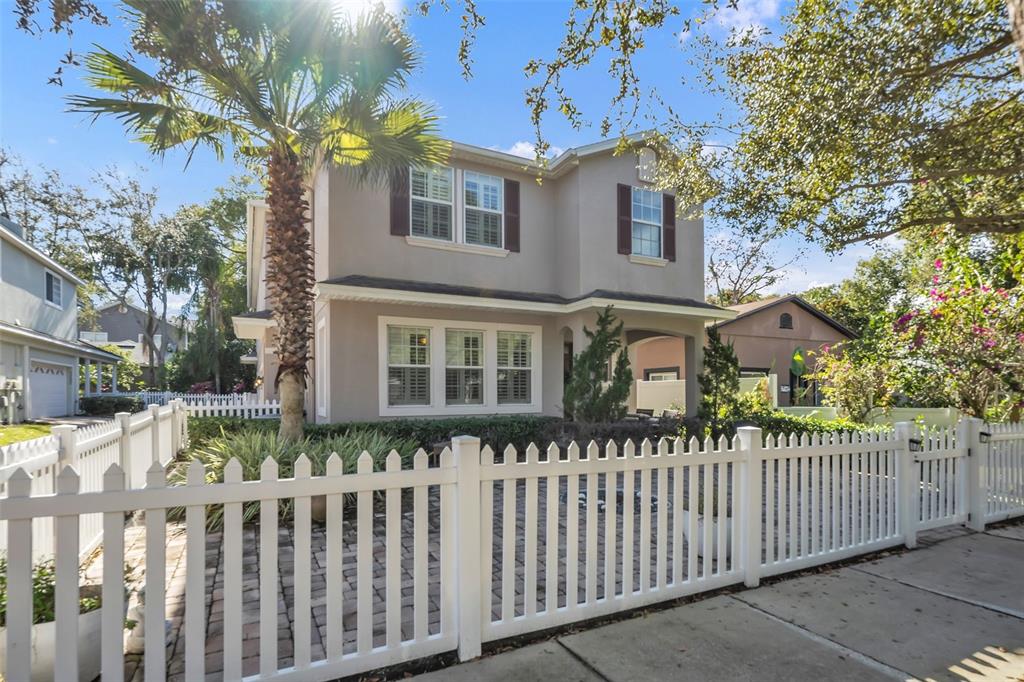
{"x": 488, "y": 110}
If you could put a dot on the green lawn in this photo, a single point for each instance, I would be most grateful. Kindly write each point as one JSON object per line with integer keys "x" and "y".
{"x": 18, "y": 432}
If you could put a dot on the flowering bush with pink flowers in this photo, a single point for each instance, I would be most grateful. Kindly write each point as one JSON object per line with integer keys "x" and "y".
{"x": 969, "y": 334}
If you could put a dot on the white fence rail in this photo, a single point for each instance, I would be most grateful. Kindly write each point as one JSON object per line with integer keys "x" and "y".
{"x": 245, "y": 405}
{"x": 131, "y": 441}
{"x": 499, "y": 544}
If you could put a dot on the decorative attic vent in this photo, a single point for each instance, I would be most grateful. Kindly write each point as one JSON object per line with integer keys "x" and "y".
{"x": 647, "y": 165}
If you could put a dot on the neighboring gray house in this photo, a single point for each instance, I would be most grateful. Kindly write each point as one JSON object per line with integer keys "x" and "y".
{"x": 124, "y": 325}
{"x": 40, "y": 353}
{"x": 464, "y": 288}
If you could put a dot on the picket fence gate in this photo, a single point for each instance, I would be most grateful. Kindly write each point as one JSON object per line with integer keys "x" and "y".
{"x": 132, "y": 441}
{"x": 525, "y": 540}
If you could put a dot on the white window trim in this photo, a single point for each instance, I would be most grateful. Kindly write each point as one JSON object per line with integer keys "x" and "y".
{"x": 451, "y": 204}
{"x": 458, "y": 242}
{"x": 476, "y": 249}
{"x": 438, "y": 404}
{"x": 647, "y": 260}
{"x": 500, "y": 212}
{"x": 58, "y": 306}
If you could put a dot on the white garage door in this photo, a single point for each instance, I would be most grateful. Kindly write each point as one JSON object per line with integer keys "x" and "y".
{"x": 48, "y": 391}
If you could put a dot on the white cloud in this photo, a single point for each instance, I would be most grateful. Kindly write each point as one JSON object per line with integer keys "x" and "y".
{"x": 526, "y": 150}
{"x": 747, "y": 15}
{"x": 51, "y": 140}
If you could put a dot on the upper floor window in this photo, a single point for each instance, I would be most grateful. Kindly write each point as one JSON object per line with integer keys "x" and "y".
{"x": 647, "y": 223}
{"x": 484, "y": 209}
{"x": 431, "y": 194}
{"x": 53, "y": 289}
{"x": 785, "y": 321}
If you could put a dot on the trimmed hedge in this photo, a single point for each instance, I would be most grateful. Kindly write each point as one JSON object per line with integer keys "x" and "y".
{"x": 496, "y": 431}
{"x": 110, "y": 404}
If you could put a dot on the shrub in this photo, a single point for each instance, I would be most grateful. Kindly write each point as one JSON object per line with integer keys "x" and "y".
{"x": 590, "y": 397}
{"x": 252, "y": 446}
{"x": 109, "y": 404}
{"x": 496, "y": 431}
{"x": 44, "y": 587}
{"x": 719, "y": 383}
{"x": 752, "y": 410}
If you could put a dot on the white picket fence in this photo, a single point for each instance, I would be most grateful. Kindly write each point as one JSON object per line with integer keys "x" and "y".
{"x": 245, "y": 405}
{"x": 503, "y": 544}
{"x": 131, "y": 441}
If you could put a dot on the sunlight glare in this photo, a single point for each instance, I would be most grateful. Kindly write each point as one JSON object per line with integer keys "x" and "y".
{"x": 352, "y": 9}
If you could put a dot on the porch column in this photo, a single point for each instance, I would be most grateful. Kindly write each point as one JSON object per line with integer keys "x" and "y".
{"x": 113, "y": 378}
{"x": 693, "y": 354}
{"x": 87, "y": 379}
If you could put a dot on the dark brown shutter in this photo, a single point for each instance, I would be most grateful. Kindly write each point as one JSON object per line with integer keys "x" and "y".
{"x": 625, "y": 219}
{"x": 668, "y": 223}
{"x": 512, "y": 215}
{"x": 400, "y": 202}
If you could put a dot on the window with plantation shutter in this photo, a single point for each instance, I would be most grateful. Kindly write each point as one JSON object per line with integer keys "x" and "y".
{"x": 484, "y": 209}
{"x": 431, "y": 205}
{"x": 464, "y": 367}
{"x": 514, "y": 367}
{"x": 408, "y": 366}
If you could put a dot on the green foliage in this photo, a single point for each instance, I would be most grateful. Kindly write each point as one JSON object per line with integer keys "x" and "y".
{"x": 496, "y": 431}
{"x": 853, "y": 384}
{"x": 110, "y": 404}
{"x": 751, "y": 409}
{"x": 44, "y": 588}
{"x": 719, "y": 382}
{"x": 251, "y": 446}
{"x": 589, "y": 396}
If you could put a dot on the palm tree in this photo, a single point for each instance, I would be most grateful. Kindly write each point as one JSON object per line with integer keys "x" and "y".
{"x": 290, "y": 86}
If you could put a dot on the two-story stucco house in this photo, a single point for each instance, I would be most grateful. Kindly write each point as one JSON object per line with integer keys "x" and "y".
{"x": 124, "y": 325}
{"x": 463, "y": 289}
{"x": 40, "y": 353}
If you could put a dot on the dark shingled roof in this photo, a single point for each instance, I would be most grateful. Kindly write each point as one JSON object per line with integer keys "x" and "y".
{"x": 478, "y": 292}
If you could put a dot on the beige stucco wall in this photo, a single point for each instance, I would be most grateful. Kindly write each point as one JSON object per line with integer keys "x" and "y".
{"x": 352, "y": 348}
{"x": 567, "y": 237}
{"x": 760, "y": 343}
{"x": 664, "y": 351}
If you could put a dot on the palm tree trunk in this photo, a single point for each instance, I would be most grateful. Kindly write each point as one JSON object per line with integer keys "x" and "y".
{"x": 289, "y": 285}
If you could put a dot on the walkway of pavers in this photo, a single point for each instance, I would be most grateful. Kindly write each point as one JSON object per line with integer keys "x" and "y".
{"x": 951, "y": 610}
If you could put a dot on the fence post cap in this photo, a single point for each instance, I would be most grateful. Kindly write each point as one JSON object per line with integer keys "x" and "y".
{"x": 63, "y": 428}
{"x": 153, "y": 407}
{"x": 466, "y": 440}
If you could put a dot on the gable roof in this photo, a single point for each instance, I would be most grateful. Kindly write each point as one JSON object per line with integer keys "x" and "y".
{"x": 748, "y": 309}
{"x": 13, "y": 233}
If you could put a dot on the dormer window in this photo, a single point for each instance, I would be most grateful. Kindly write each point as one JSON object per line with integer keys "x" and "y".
{"x": 53, "y": 289}
{"x": 431, "y": 195}
{"x": 646, "y": 223}
{"x": 785, "y": 321}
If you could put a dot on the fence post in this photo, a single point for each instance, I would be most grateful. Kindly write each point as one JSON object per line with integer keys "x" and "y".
{"x": 67, "y": 446}
{"x": 908, "y": 484}
{"x": 750, "y": 503}
{"x": 175, "y": 427}
{"x": 154, "y": 412}
{"x": 124, "y": 445}
{"x": 466, "y": 450}
{"x": 968, "y": 434}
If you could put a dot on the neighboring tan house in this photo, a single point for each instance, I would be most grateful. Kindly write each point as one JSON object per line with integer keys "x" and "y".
{"x": 40, "y": 353}
{"x": 124, "y": 325}
{"x": 765, "y": 334}
{"x": 464, "y": 289}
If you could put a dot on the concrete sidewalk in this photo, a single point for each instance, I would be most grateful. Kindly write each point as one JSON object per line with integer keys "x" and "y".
{"x": 951, "y": 610}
